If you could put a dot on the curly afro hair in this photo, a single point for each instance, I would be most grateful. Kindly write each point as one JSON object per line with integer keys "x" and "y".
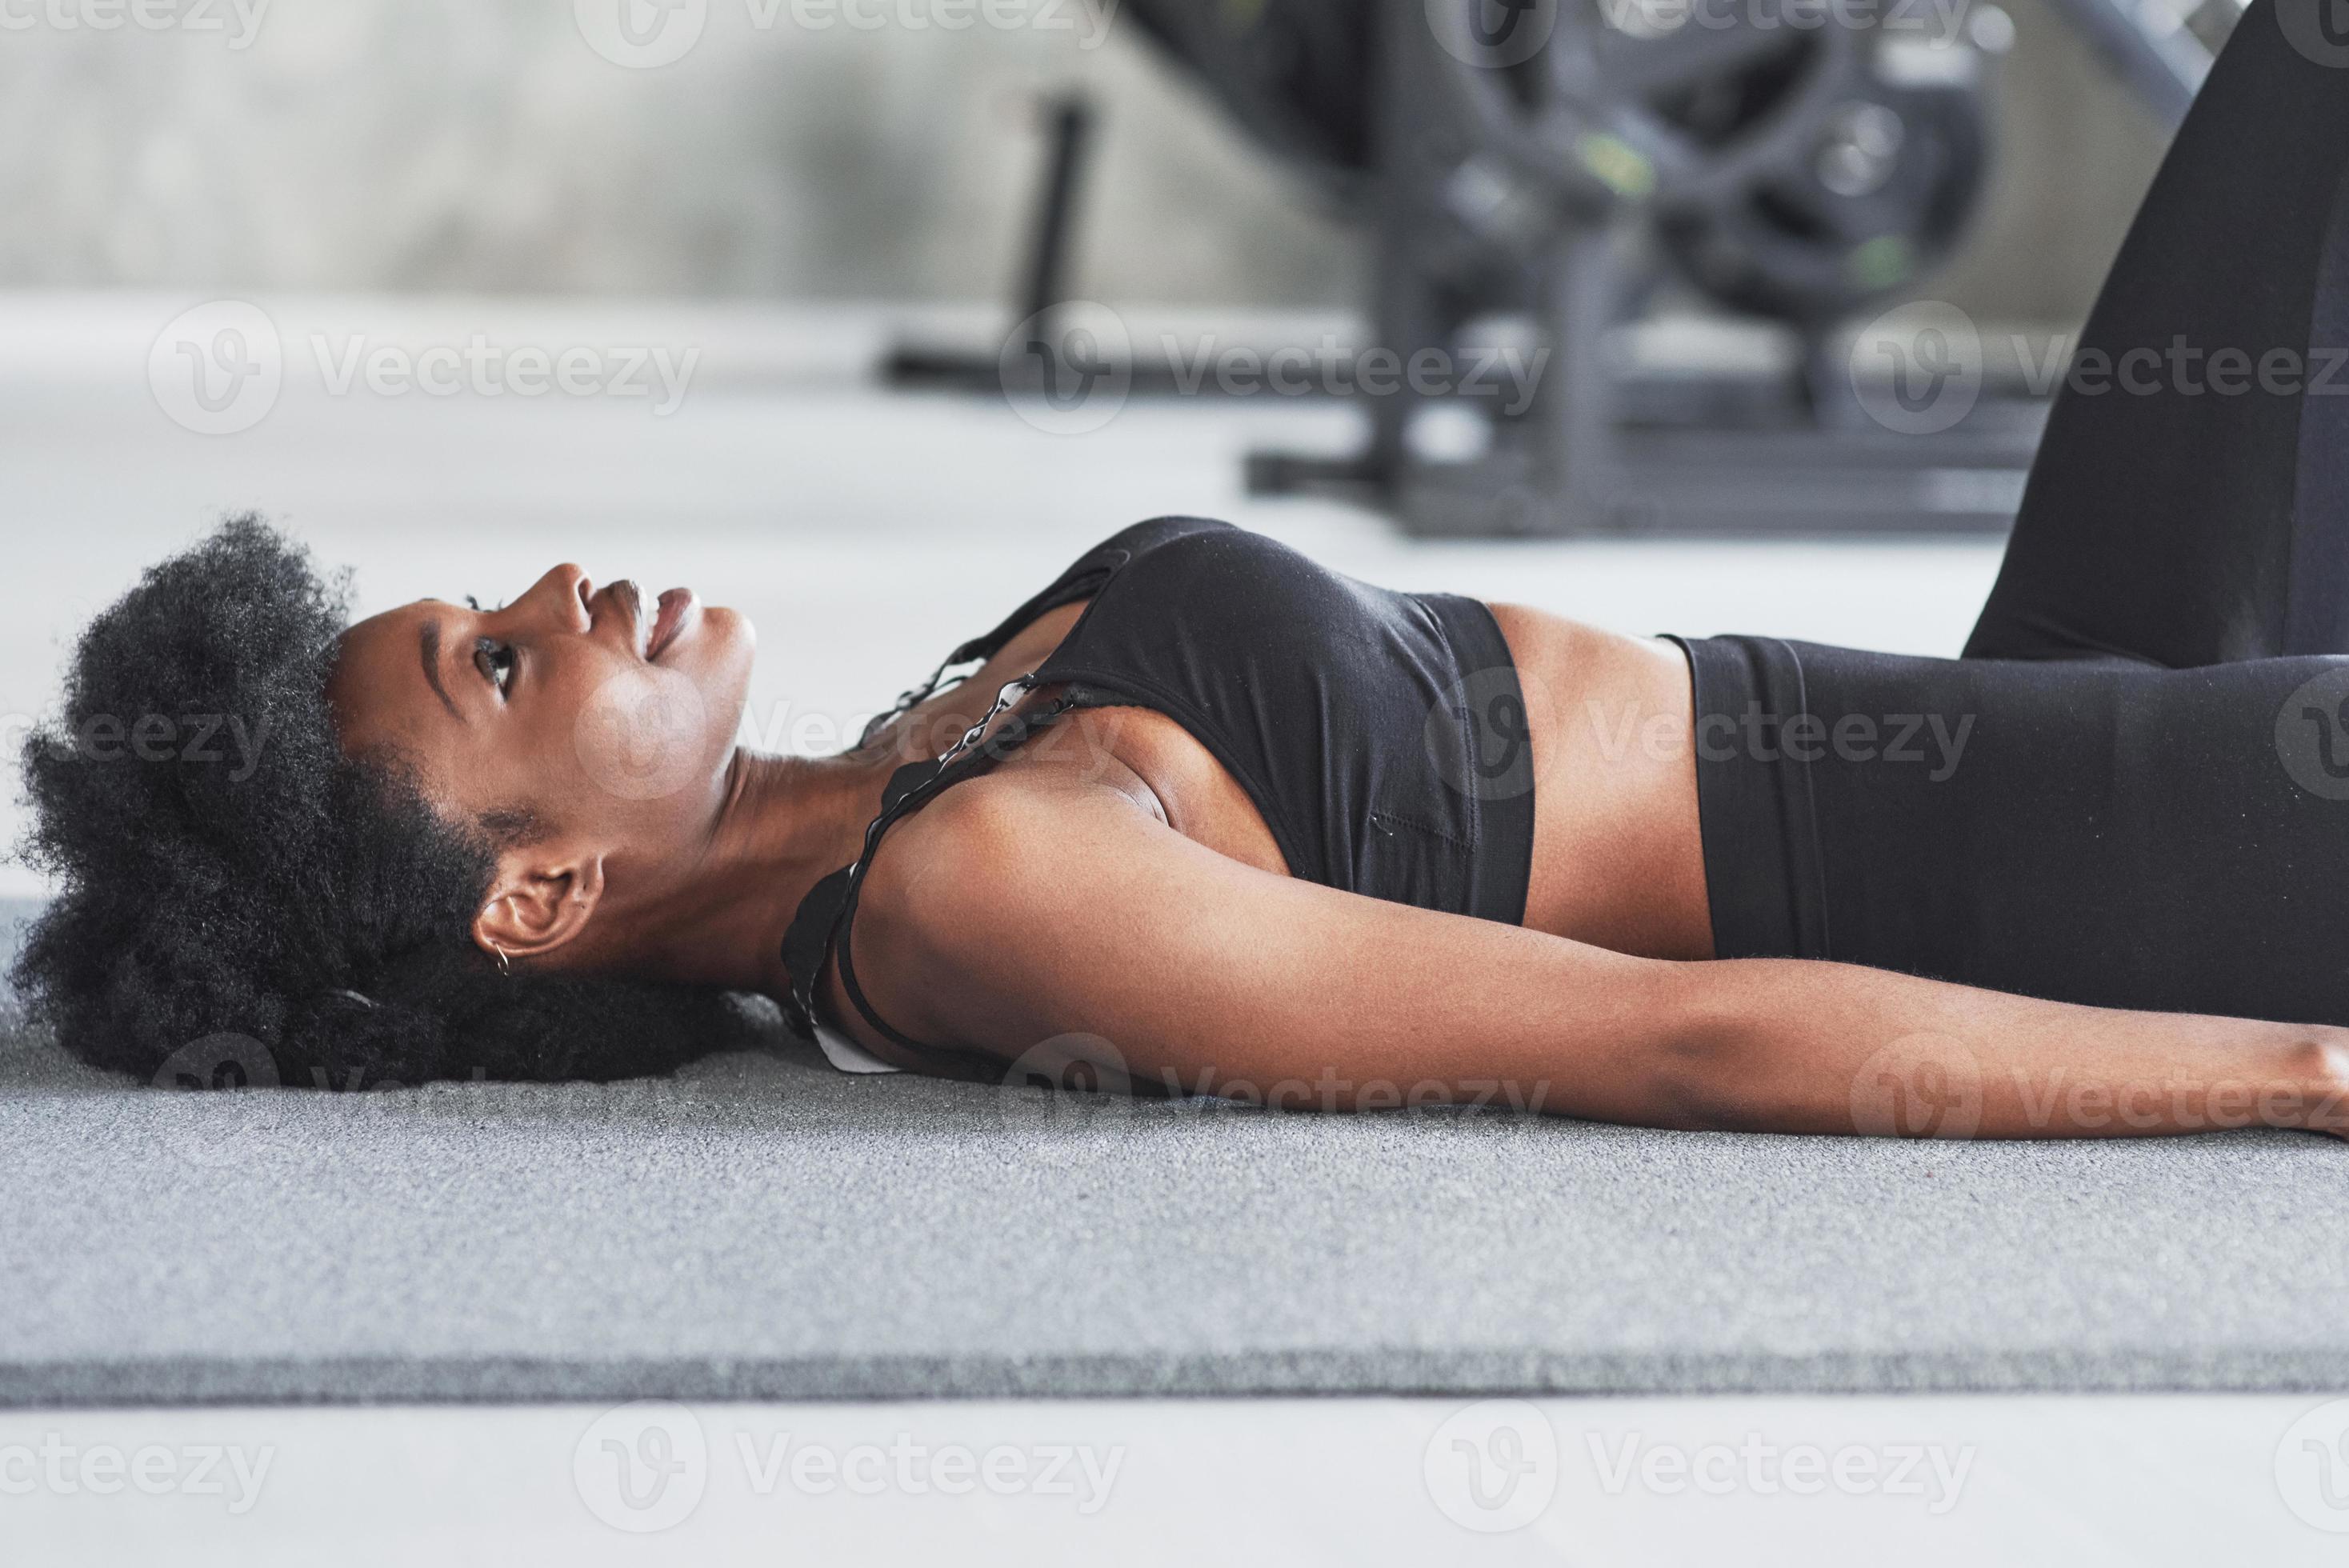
{"x": 226, "y": 872}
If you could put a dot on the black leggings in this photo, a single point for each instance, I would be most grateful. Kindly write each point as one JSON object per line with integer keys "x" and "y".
{"x": 2132, "y": 790}
{"x": 2191, "y": 526}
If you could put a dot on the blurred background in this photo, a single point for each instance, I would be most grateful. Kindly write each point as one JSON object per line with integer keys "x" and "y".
{"x": 483, "y": 147}
{"x": 740, "y": 294}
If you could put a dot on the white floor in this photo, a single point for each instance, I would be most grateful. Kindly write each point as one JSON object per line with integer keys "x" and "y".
{"x": 1642, "y": 1483}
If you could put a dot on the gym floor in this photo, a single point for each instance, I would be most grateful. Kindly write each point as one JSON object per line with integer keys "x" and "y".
{"x": 412, "y": 1335}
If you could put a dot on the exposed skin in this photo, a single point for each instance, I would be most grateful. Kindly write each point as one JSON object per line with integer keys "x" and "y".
{"x": 1162, "y": 934}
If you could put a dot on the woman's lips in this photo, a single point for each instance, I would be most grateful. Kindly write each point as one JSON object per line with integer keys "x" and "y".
{"x": 678, "y": 610}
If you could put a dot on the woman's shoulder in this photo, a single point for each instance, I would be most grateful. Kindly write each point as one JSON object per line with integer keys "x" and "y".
{"x": 958, "y": 877}
{"x": 996, "y": 820}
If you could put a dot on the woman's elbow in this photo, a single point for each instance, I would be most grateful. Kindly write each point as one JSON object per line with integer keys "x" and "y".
{"x": 1705, "y": 1070}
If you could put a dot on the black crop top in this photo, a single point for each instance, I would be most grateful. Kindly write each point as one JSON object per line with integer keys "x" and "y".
{"x": 1381, "y": 734}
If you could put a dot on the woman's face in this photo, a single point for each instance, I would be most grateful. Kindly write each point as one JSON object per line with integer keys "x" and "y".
{"x": 590, "y": 724}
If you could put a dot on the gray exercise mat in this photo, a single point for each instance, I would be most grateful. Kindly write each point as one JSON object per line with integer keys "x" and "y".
{"x": 765, "y": 1227}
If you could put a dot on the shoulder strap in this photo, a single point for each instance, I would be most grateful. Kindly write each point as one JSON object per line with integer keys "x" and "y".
{"x": 826, "y": 917}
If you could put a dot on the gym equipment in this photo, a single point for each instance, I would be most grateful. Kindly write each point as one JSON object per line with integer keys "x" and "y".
{"x": 1538, "y": 171}
{"x": 1795, "y": 173}
{"x": 1877, "y": 192}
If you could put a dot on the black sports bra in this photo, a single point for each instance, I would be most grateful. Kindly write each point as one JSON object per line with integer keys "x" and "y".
{"x": 1379, "y": 732}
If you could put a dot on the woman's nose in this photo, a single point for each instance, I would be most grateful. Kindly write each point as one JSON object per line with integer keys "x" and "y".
{"x": 563, "y": 593}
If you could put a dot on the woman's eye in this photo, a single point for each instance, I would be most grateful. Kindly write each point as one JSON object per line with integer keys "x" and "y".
{"x": 495, "y": 660}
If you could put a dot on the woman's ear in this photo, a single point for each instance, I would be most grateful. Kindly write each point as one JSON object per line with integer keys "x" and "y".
{"x": 540, "y": 902}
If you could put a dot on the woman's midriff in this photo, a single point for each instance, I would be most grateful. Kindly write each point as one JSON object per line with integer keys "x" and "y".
{"x": 1618, "y": 859}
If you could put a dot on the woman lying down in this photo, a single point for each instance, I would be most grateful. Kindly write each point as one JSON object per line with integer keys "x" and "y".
{"x": 1209, "y": 818}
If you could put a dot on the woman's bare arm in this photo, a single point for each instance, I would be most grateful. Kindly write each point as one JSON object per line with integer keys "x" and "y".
{"x": 1029, "y": 915}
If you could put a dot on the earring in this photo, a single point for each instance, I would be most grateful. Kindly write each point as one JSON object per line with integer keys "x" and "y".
{"x": 504, "y": 967}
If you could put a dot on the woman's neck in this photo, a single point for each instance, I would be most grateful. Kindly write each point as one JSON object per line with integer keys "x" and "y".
{"x": 784, "y": 823}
